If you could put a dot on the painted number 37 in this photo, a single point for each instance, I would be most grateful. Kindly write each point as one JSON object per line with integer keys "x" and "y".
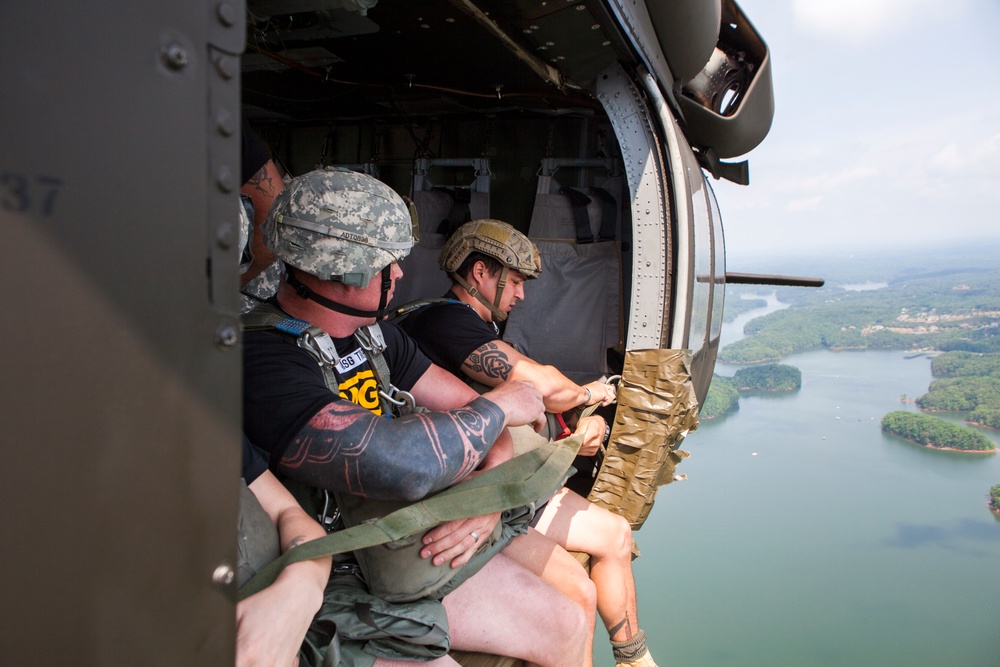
{"x": 20, "y": 193}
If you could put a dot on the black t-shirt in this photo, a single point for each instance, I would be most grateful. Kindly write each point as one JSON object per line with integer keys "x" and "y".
{"x": 254, "y": 461}
{"x": 283, "y": 386}
{"x": 448, "y": 332}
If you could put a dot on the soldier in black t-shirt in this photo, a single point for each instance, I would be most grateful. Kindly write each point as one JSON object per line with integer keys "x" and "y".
{"x": 488, "y": 262}
{"x": 340, "y": 235}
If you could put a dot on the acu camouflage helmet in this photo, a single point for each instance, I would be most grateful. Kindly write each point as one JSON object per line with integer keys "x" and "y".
{"x": 338, "y": 224}
{"x": 496, "y": 239}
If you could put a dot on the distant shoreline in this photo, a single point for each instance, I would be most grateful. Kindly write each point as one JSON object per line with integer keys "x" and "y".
{"x": 945, "y": 449}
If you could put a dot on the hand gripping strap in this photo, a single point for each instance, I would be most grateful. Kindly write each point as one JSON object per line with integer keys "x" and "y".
{"x": 522, "y": 480}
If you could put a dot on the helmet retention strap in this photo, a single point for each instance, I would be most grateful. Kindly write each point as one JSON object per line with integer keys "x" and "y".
{"x": 307, "y": 293}
{"x": 494, "y": 308}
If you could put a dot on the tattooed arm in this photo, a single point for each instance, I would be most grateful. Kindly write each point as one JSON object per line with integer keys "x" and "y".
{"x": 271, "y": 624}
{"x": 262, "y": 188}
{"x": 496, "y": 362}
{"x": 347, "y": 448}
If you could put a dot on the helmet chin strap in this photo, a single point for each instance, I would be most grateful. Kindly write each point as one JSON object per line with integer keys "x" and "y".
{"x": 306, "y": 293}
{"x": 494, "y": 308}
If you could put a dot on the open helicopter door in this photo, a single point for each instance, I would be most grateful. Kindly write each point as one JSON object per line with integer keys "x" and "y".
{"x": 578, "y": 234}
{"x": 440, "y": 210}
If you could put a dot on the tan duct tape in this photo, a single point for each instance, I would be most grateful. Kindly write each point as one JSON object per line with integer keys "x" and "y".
{"x": 657, "y": 408}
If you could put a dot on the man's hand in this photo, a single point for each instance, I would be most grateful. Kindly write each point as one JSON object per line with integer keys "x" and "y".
{"x": 455, "y": 540}
{"x": 271, "y": 624}
{"x": 592, "y": 430}
{"x": 601, "y": 392}
{"x": 521, "y": 403}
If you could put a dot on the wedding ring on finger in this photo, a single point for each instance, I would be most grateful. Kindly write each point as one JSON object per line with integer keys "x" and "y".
{"x": 475, "y": 536}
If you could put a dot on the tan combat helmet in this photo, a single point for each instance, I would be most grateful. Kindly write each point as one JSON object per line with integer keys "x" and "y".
{"x": 498, "y": 240}
{"x": 341, "y": 225}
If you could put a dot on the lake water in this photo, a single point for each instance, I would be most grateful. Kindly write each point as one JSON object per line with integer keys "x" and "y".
{"x": 804, "y": 536}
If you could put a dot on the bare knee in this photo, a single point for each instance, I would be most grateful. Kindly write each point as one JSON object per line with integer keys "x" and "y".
{"x": 584, "y": 593}
{"x": 620, "y": 538}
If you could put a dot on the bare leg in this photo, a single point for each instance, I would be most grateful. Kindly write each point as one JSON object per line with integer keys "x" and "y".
{"x": 506, "y": 610}
{"x": 579, "y": 525}
{"x": 446, "y": 661}
{"x": 555, "y": 565}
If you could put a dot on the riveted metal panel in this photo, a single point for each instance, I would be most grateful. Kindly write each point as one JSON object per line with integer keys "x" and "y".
{"x": 121, "y": 366}
{"x": 651, "y": 269}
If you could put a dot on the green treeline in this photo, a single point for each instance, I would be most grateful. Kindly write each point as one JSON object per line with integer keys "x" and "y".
{"x": 972, "y": 385}
{"x": 724, "y": 392}
{"x": 956, "y": 364}
{"x": 769, "y": 377}
{"x": 961, "y": 394}
{"x": 935, "y": 432}
{"x": 722, "y": 397}
{"x": 995, "y": 498}
{"x": 944, "y": 311}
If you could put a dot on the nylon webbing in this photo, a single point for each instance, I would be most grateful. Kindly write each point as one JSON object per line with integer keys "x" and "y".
{"x": 519, "y": 481}
{"x": 608, "y": 214}
{"x": 581, "y": 218}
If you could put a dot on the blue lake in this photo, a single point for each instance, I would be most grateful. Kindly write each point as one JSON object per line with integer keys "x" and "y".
{"x": 805, "y": 536}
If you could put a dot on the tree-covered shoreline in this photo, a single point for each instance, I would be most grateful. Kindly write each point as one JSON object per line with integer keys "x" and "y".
{"x": 936, "y": 433}
{"x": 995, "y": 499}
{"x": 942, "y": 310}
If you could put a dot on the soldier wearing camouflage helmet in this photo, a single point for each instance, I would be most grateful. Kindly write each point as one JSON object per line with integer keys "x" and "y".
{"x": 502, "y": 249}
{"x": 339, "y": 225}
{"x": 313, "y": 400}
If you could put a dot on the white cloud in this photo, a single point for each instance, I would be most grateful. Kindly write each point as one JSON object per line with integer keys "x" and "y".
{"x": 947, "y": 159}
{"x": 854, "y": 20}
{"x": 801, "y": 205}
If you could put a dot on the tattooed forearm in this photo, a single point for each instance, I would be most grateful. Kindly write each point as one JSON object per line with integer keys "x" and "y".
{"x": 347, "y": 448}
{"x": 491, "y": 361}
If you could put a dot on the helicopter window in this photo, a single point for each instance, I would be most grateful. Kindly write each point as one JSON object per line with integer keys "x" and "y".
{"x": 701, "y": 299}
{"x": 719, "y": 273}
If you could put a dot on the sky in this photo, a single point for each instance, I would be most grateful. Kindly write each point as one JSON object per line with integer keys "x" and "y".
{"x": 886, "y": 130}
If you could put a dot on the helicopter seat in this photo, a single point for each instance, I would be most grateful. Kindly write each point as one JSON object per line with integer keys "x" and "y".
{"x": 578, "y": 233}
{"x": 440, "y": 210}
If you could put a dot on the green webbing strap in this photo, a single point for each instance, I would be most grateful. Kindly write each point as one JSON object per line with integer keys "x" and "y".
{"x": 520, "y": 481}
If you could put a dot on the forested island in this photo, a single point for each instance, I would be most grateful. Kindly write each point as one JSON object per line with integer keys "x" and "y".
{"x": 722, "y": 397}
{"x": 936, "y": 433}
{"x": 768, "y": 377}
{"x": 724, "y": 392}
{"x": 995, "y": 499}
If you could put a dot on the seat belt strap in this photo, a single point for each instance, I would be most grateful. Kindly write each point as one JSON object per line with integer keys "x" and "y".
{"x": 520, "y": 481}
{"x": 581, "y": 218}
{"x": 609, "y": 214}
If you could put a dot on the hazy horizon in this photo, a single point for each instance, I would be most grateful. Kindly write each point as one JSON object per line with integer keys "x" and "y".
{"x": 886, "y": 131}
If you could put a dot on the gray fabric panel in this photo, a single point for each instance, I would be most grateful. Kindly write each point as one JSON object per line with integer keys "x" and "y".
{"x": 570, "y": 313}
{"x": 421, "y": 275}
{"x": 552, "y": 216}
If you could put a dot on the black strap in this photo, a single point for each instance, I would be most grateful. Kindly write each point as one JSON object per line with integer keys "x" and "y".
{"x": 609, "y": 214}
{"x": 460, "y": 212}
{"x": 579, "y": 202}
{"x": 306, "y": 293}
